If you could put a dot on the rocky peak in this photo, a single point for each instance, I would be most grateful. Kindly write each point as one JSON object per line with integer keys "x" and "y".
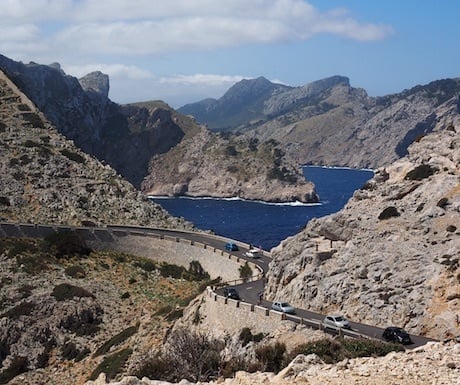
{"x": 96, "y": 81}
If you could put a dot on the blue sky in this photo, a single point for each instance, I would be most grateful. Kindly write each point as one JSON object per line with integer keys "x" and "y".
{"x": 182, "y": 51}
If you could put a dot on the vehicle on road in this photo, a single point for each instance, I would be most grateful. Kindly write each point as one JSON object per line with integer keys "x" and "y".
{"x": 230, "y": 292}
{"x": 396, "y": 334}
{"x": 336, "y": 321}
{"x": 252, "y": 253}
{"x": 230, "y": 246}
{"x": 283, "y": 307}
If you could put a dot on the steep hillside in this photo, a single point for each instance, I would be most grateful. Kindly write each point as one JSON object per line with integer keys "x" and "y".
{"x": 46, "y": 179}
{"x": 126, "y": 137}
{"x": 328, "y": 122}
{"x": 391, "y": 256}
{"x": 208, "y": 164}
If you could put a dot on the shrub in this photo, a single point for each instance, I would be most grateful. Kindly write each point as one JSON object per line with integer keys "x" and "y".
{"x": 24, "y": 308}
{"x": 66, "y": 291}
{"x": 69, "y": 351}
{"x": 195, "y": 272}
{"x": 146, "y": 265}
{"x": 389, "y": 212}
{"x": 245, "y": 272}
{"x": 420, "y": 172}
{"x": 75, "y": 271}
{"x": 451, "y": 228}
{"x": 4, "y": 201}
{"x": 73, "y": 156}
{"x": 191, "y": 356}
{"x": 443, "y": 202}
{"x": 116, "y": 340}
{"x": 173, "y": 271}
{"x": 112, "y": 365}
{"x": 272, "y": 357}
{"x": 18, "y": 365}
{"x": 65, "y": 244}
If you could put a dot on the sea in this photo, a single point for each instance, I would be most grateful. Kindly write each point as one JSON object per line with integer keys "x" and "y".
{"x": 263, "y": 224}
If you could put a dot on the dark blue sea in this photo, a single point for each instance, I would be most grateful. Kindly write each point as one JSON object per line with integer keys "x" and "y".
{"x": 263, "y": 224}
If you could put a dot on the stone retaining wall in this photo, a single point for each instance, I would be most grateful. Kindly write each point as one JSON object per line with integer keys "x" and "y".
{"x": 178, "y": 251}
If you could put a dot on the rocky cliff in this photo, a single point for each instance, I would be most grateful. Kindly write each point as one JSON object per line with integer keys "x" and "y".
{"x": 328, "y": 122}
{"x": 391, "y": 256}
{"x": 208, "y": 164}
{"x": 46, "y": 179}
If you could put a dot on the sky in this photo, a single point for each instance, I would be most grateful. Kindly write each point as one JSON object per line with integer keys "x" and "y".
{"x": 182, "y": 51}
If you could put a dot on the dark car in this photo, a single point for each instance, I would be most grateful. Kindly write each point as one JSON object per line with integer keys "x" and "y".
{"x": 230, "y": 246}
{"x": 231, "y": 292}
{"x": 396, "y": 334}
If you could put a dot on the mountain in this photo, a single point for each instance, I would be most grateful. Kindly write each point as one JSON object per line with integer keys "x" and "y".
{"x": 328, "y": 122}
{"x": 47, "y": 179}
{"x": 129, "y": 136}
{"x": 242, "y": 103}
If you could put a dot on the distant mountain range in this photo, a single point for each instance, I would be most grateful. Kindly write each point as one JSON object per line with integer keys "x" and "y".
{"x": 328, "y": 122}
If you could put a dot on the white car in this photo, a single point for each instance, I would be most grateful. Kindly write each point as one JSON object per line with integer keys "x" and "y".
{"x": 253, "y": 253}
{"x": 336, "y": 321}
{"x": 283, "y": 307}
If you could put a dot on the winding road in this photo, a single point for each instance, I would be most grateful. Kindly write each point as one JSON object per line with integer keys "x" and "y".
{"x": 248, "y": 291}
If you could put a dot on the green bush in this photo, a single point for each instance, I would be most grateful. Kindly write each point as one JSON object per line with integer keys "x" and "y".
{"x": 443, "y": 202}
{"x": 73, "y": 156}
{"x": 195, "y": 272}
{"x": 389, "y": 212}
{"x": 245, "y": 272}
{"x": 69, "y": 351}
{"x": 75, "y": 271}
{"x": 420, "y": 172}
{"x": 272, "y": 356}
{"x": 66, "y": 244}
{"x": 24, "y": 308}
{"x": 173, "y": 271}
{"x": 112, "y": 365}
{"x": 116, "y": 340}
{"x": 18, "y": 365}
{"x": 66, "y": 291}
{"x": 145, "y": 264}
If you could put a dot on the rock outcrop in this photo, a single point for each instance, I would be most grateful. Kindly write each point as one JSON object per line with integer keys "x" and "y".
{"x": 211, "y": 165}
{"x": 391, "y": 256}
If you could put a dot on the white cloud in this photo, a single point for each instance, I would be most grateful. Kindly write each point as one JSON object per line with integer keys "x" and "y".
{"x": 144, "y": 27}
{"x": 202, "y": 79}
{"x": 113, "y": 70}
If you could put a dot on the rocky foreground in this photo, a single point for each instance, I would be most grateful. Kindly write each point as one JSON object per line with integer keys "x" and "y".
{"x": 434, "y": 363}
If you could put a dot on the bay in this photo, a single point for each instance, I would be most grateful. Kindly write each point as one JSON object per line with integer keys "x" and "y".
{"x": 263, "y": 224}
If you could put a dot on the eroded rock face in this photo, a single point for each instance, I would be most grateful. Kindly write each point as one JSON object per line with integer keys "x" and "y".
{"x": 209, "y": 165}
{"x": 391, "y": 256}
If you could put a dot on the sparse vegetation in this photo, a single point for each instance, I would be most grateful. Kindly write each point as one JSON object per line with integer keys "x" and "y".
{"x": 389, "y": 212}
{"x": 66, "y": 291}
{"x": 112, "y": 365}
{"x": 73, "y": 156}
{"x": 420, "y": 172}
{"x": 117, "y": 340}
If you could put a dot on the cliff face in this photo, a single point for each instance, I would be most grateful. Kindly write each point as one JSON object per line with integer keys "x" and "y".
{"x": 46, "y": 179}
{"x": 391, "y": 256}
{"x": 126, "y": 137}
{"x": 208, "y": 164}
